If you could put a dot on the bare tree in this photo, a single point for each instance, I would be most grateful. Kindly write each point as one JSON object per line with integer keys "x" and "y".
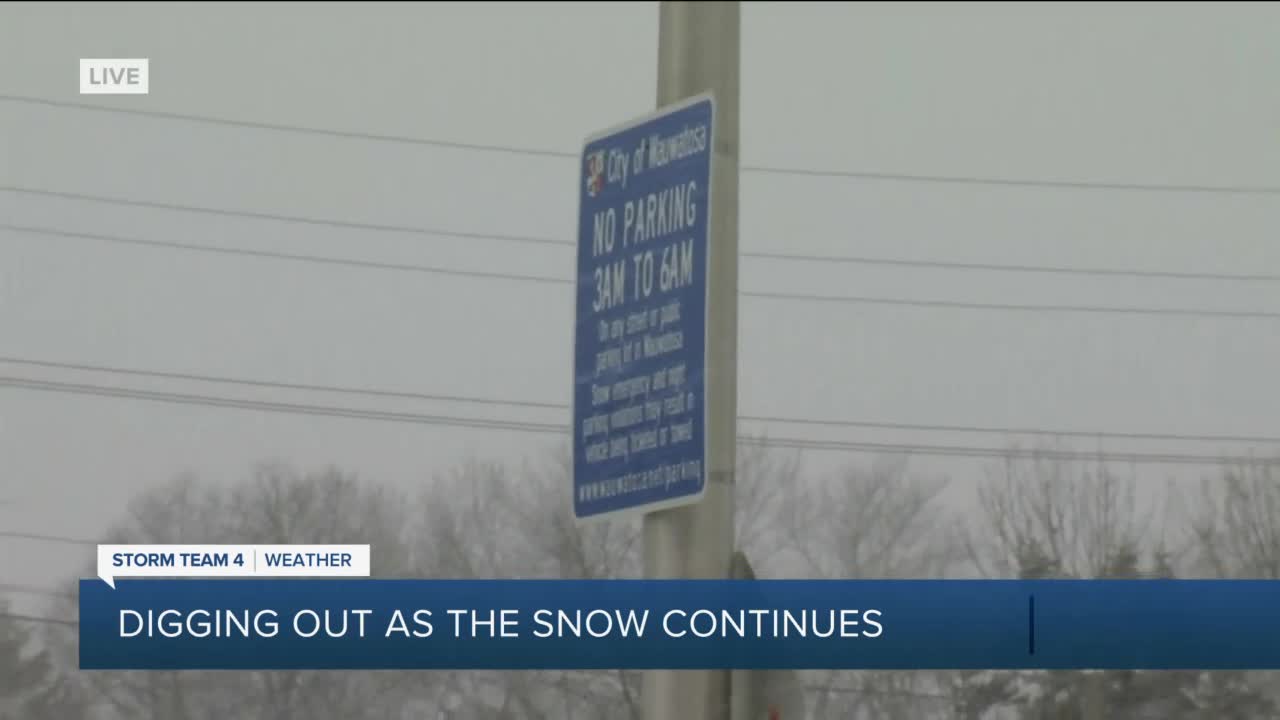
{"x": 1235, "y": 522}
{"x": 484, "y": 520}
{"x": 1045, "y": 518}
{"x": 1054, "y": 519}
{"x": 767, "y": 479}
{"x": 1076, "y": 516}
{"x": 31, "y": 687}
{"x": 868, "y": 522}
{"x": 276, "y": 505}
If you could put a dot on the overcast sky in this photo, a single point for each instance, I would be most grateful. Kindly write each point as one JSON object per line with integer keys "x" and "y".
{"x": 1148, "y": 94}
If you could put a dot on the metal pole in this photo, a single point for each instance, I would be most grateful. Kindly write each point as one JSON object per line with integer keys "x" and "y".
{"x": 698, "y": 50}
{"x": 742, "y": 691}
{"x": 1094, "y": 701}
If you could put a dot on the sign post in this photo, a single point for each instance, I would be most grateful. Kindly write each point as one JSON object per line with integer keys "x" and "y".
{"x": 699, "y": 52}
{"x": 656, "y": 333}
{"x": 768, "y": 694}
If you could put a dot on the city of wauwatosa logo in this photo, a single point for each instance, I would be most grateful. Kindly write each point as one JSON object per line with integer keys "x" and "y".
{"x": 595, "y": 173}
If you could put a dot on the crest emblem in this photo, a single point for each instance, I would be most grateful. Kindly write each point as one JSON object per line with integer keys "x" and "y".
{"x": 595, "y": 173}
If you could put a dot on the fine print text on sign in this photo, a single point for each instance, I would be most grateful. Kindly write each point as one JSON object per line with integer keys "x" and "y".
{"x": 640, "y": 342}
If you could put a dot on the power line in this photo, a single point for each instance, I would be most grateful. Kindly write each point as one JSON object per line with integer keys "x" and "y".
{"x": 762, "y": 169}
{"x": 879, "y": 692}
{"x": 265, "y": 406}
{"x": 299, "y": 219}
{"x": 1011, "y": 453}
{"x": 440, "y": 232}
{"x": 1016, "y": 307}
{"x": 280, "y": 127}
{"x": 41, "y": 620}
{"x": 998, "y": 267}
{"x": 270, "y": 255}
{"x": 994, "y": 430}
{"x": 33, "y": 590}
{"x": 932, "y": 264}
{"x": 343, "y": 390}
{"x": 559, "y": 429}
{"x": 378, "y": 392}
{"x": 44, "y": 538}
{"x": 61, "y": 539}
{"x": 766, "y": 295}
{"x": 1017, "y": 182}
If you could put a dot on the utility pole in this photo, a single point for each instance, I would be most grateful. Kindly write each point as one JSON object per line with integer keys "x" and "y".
{"x": 1095, "y": 706}
{"x": 699, "y": 51}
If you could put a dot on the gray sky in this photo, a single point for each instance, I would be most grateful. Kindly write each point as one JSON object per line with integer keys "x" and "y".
{"x": 1109, "y": 93}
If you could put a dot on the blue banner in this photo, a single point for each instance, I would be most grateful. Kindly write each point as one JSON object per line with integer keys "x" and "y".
{"x": 671, "y": 624}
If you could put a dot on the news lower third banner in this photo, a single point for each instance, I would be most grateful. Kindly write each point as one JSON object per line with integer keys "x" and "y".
{"x": 345, "y": 623}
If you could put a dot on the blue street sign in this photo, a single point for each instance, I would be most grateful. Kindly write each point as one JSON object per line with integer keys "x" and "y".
{"x": 640, "y": 343}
